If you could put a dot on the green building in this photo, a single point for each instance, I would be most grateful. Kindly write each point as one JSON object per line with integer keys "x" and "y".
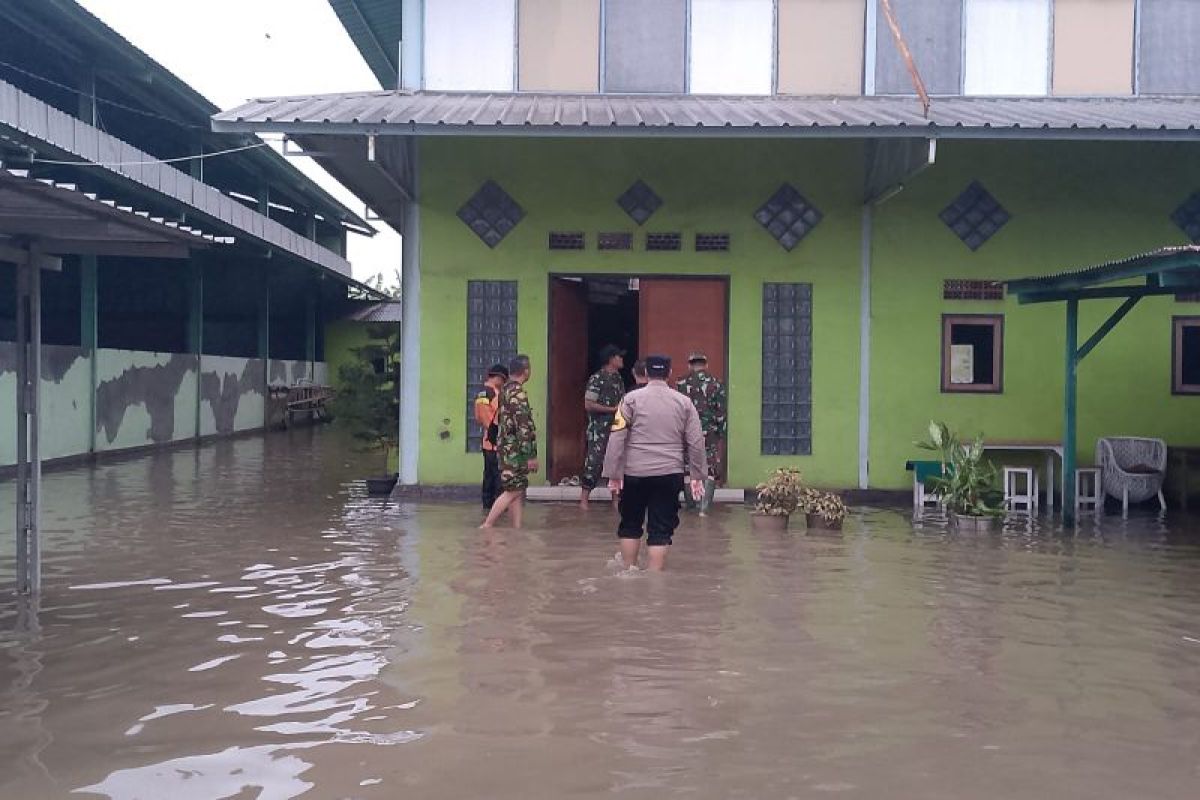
{"x": 758, "y": 178}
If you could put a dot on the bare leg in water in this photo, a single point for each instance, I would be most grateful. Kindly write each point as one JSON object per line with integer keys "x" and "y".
{"x": 629, "y": 552}
{"x": 514, "y": 500}
{"x": 656, "y": 558}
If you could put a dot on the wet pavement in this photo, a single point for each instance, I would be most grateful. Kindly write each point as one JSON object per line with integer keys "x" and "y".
{"x": 239, "y": 621}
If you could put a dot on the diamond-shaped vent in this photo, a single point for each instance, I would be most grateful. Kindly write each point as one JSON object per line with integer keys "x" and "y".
{"x": 975, "y": 216}
{"x": 639, "y": 202}
{"x": 491, "y": 213}
{"x": 788, "y": 216}
{"x": 1187, "y": 217}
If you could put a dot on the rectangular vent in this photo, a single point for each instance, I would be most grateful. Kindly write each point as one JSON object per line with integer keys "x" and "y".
{"x": 616, "y": 240}
{"x": 566, "y": 240}
{"x": 661, "y": 242}
{"x": 1191, "y": 297}
{"x": 712, "y": 242}
{"x": 972, "y": 289}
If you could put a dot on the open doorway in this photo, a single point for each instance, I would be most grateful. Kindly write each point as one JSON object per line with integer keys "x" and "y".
{"x": 641, "y": 315}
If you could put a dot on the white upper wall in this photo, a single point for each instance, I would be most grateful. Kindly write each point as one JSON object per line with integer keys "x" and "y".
{"x": 732, "y": 46}
{"x": 470, "y": 45}
{"x": 1007, "y": 49}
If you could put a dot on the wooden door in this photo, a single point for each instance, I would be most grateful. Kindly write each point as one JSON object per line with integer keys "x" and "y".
{"x": 677, "y": 316}
{"x": 568, "y": 374}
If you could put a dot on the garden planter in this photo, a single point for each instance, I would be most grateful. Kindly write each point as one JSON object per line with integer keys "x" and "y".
{"x": 817, "y": 522}
{"x": 769, "y": 522}
{"x": 966, "y": 522}
{"x": 381, "y": 485}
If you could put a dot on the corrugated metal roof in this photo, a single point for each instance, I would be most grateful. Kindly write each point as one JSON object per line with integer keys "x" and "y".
{"x": 1182, "y": 258}
{"x": 428, "y": 113}
{"x": 376, "y": 312}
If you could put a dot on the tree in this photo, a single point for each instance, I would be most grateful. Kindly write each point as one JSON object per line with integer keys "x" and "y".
{"x": 368, "y": 401}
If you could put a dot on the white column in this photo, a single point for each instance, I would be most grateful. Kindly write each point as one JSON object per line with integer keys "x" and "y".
{"x": 410, "y": 335}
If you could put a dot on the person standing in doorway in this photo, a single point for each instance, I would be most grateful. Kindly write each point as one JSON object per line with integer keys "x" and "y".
{"x": 656, "y": 439}
{"x": 487, "y": 404}
{"x": 516, "y": 443}
{"x": 600, "y": 400}
{"x": 707, "y": 394}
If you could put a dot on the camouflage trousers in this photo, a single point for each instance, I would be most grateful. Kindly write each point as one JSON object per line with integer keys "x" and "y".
{"x": 595, "y": 444}
{"x": 514, "y": 477}
{"x": 712, "y": 451}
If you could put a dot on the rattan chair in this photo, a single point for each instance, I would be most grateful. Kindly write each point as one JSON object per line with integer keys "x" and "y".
{"x": 1133, "y": 469}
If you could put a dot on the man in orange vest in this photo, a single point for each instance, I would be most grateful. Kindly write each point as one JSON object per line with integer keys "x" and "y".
{"x": 487, "y": 404}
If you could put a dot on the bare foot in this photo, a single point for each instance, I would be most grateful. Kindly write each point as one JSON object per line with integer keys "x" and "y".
{"x": 486, "y": 525}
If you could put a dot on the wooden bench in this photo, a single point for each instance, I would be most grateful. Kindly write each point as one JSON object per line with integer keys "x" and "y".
{"x": 303, "y": 397}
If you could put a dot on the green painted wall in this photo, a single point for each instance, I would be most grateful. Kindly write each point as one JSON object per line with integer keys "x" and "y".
{"x": 706, "y": 186}
{"x": 1072, "y": 204}
{"x": 341, "y": 338}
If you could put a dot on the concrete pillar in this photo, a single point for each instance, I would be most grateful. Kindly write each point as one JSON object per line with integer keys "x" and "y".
{"x": 264, "y": 343}
{"x": 195, "y": 328}
{"x": 89, "y": 311}
{"x": 310, "y": 329}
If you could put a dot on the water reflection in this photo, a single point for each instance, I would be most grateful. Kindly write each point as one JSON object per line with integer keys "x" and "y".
{"x": 240, "y": 621}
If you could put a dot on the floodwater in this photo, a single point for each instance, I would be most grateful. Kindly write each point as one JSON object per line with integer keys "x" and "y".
{"x": 239, "y": 621}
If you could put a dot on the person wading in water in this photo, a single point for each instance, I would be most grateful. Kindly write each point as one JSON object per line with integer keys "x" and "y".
{"x": 656, "y": 438}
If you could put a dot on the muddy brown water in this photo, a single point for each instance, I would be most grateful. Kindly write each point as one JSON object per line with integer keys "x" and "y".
{"x": 239, "y": 621}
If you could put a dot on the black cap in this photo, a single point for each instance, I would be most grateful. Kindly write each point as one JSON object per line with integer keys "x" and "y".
{"x": 608, "y": 351}
{"x": 498, "y": 369}
{"x": 658, "y": 366}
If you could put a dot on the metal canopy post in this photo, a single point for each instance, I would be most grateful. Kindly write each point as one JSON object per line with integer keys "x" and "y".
{"x": 29, "y": 463}
{"x": 1069, "y": 413}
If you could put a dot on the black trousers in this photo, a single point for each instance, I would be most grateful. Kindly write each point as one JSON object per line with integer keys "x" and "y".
{"x": 653, "y": 502}
{"x": 491, "y": 479}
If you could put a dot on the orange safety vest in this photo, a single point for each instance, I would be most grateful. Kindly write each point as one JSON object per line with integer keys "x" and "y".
{"x": 485, "y": 413}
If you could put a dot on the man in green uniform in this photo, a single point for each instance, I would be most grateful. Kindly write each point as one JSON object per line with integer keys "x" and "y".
{"x": 600, "y": 400}
{"x": 707, "y": 394}
{"x": 516, "y": 443}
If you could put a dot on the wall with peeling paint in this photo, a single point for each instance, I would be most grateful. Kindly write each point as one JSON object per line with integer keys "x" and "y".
{"x": 144, "y": 398}
{"x": 231, "y": 394}
{"x": 66, "y": 405}
{"x": 289, "y": 373}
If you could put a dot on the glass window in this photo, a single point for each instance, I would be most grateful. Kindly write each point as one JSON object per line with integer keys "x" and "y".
{"x": 1007, "y": 49}
{"x": 972, "y": 353}
{"x": 1186, "y": 370}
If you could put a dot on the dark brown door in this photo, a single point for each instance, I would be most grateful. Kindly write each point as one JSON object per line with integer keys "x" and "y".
{"x": 676, "y": 317}
{"x": 568, "y": 375}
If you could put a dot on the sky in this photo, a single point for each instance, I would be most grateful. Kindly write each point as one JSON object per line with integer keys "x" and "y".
{"x": 233, "y": 50}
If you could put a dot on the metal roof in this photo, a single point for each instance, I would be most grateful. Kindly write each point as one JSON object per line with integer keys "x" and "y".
{"x": 458, "y": 113}
{"x": 1167, "y": 270}
{"x": 64, "y": 134}
{"x": 388, "y": 311}
{"x": 374, "y": 27}
{"x": 71, "y": 25}
{"x": 66, "y": 221}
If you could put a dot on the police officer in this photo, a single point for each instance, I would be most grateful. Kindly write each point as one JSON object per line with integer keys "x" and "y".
{"x": 707, "y": 394}
{"x": 487, "y": 404}
{"x": 600, "y": 400}
{"x": 656, "y": 439}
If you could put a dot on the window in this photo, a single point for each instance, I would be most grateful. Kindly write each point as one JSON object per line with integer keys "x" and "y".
{"x": 1185, "y": 371}
{"x": 973, "y": 353}
{"x": 1007, "y": 48}
{"x": 787, "y": 369}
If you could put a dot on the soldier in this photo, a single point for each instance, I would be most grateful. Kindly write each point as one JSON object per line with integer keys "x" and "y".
{"x": 656, "y": 438}
{"x": 487, "y": 404}
{"x": 600, "y": 400}
{"x": 516, "y": 443}
{"x": 707, "y": 393}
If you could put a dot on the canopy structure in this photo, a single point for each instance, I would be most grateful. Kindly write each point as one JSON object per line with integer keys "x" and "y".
{"x": 1165, "y": 271}
{"x": 41, "y": 221}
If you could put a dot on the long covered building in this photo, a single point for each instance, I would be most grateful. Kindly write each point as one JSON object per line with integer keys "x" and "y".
{"x": 142, "y": 347}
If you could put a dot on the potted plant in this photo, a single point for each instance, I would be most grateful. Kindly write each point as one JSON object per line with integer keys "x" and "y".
{"x": 368, "y": 400}
{"x": 777, "y": 497}
{"x": 967, "y": 484}
{"x": 823, "y": 510}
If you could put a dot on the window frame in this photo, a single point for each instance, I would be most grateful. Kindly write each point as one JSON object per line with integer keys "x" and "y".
{"x": 1178, "y": 324}
{"x": 997, "y": 323}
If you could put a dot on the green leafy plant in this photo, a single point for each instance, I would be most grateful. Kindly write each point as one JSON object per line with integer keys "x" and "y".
{"x": 368, "y": 401}
{"x": 780, "y": 494}
{"x": 967, "y": 484}
{"x": 826, "y": 505}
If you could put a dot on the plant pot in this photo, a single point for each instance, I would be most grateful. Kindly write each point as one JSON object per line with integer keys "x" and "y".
{"x": 769, "y": 522}
{"x": 967, "y": 522}
{"x": 382, "y": 485}
{"x": 817, "y": 522}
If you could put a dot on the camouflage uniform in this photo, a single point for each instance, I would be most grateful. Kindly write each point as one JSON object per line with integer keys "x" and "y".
{"x": 605, "y": 388}
{"x": 708, "y": 395}
{"x": 516, "y": 442}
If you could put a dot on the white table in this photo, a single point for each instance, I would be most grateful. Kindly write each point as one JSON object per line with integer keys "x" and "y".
{"x": 1051, "y": 449}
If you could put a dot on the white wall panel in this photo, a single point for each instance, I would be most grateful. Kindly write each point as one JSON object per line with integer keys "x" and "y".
{"x": 470, "y": 45}
{"x": 732, "y": 46}
{"x": 1007, "y": 47}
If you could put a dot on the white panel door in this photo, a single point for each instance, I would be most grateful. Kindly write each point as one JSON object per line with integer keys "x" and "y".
{"x": 732, "y": 46}
{"x": 1007, "y": 50}
{"x": 470, "y": 45}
